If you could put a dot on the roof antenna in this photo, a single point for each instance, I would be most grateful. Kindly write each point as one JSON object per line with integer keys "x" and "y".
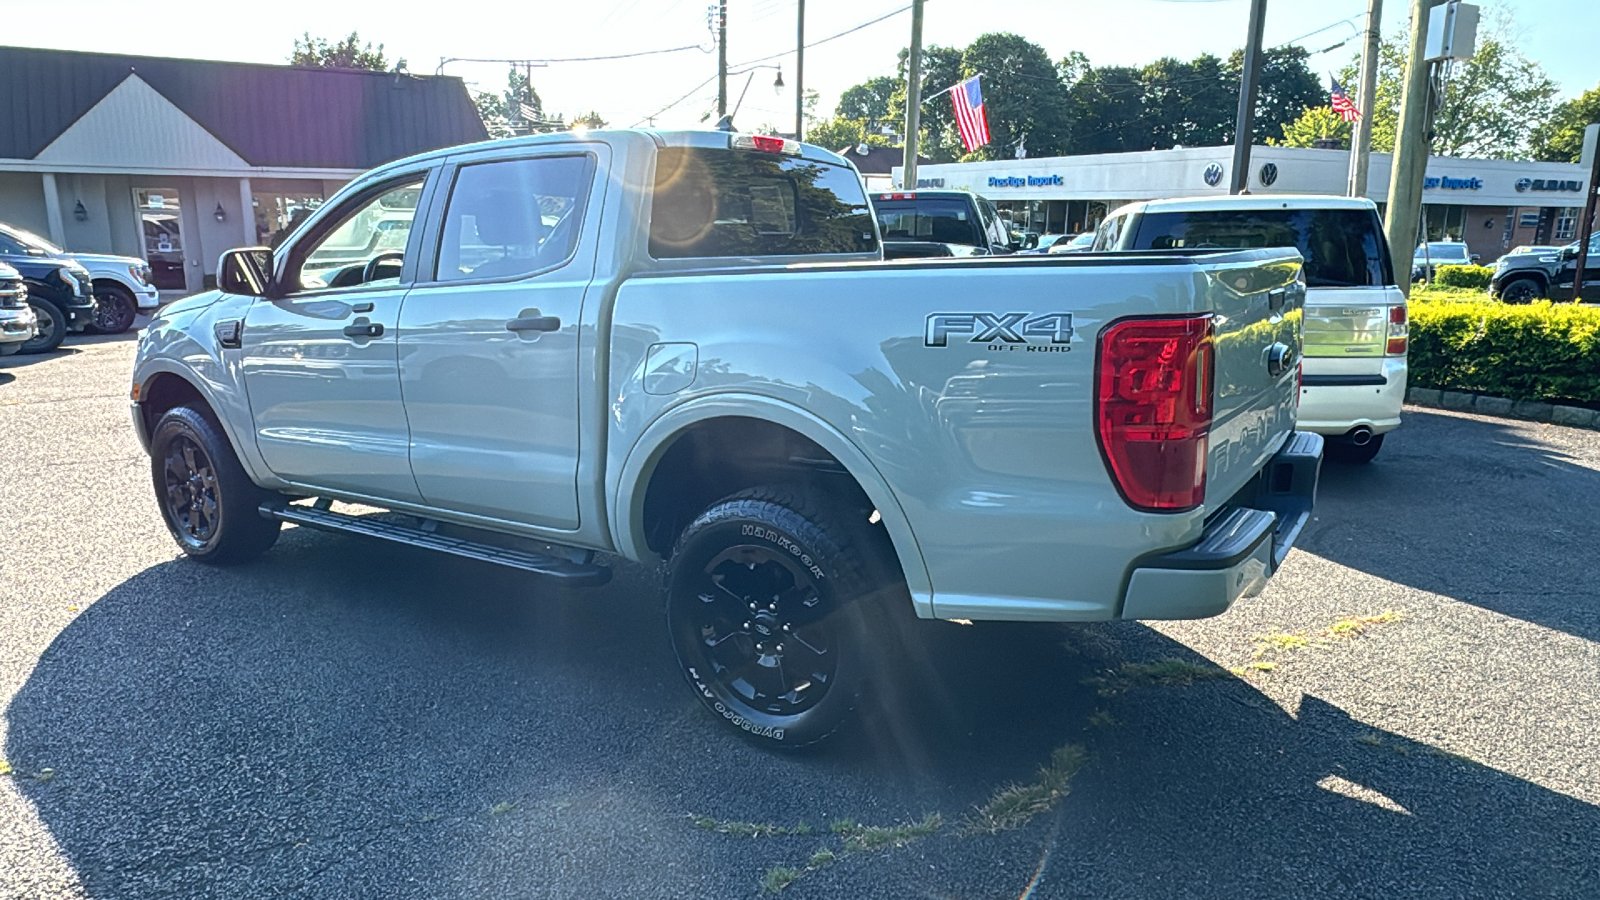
{"x": 725, "y": 123}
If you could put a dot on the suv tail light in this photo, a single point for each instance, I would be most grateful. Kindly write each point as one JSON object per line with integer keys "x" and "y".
{"x": 1399, "y": 331}
{"x": 1153, "y": 386}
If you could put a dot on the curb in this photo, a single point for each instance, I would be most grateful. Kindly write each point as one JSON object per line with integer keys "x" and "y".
{"x": 1531, "y": 410}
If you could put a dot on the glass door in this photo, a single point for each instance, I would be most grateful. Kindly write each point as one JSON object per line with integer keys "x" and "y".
{"x": 160, "y": 216}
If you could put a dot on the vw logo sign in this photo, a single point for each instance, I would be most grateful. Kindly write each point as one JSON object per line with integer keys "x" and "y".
{"x": 1268, "y": 174}
{"x": 1213, "y": 174}
{"x": 1524, "y": 183}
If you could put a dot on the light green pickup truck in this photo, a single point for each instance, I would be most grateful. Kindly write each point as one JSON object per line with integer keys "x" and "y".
{"x": 687, "y": 347}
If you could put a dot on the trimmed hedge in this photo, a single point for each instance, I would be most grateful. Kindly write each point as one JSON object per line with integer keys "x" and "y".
{"x": 1538, "y": 351}
{"x": 1471, "y": 277}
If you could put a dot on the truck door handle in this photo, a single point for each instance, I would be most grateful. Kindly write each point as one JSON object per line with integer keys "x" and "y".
{"x": 534, "y": 323}
{"x": 364, "y": 329}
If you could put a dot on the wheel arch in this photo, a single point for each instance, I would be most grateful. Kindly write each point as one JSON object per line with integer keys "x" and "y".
{"x": 656, "y": 457}
{"x": 163, "y": 384}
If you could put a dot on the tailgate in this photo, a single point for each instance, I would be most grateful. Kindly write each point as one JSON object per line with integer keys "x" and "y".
{"x": 1348, "y": 324}
{"x": 1256, "y": 309}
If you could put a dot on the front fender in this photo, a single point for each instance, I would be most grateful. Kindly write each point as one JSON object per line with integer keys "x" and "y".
{"x": 183, "y": 345}
{"x": 628, "y": 482}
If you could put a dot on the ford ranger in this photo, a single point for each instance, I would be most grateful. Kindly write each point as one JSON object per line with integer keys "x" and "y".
{"x": 686, "y": 347}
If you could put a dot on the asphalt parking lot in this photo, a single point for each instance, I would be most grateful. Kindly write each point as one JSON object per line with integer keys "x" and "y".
{"x": 1410, "y": 710}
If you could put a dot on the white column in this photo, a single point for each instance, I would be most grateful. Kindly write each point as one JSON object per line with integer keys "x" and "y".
{"x": 52, "y": 209}
{"x": 247, "y": 213}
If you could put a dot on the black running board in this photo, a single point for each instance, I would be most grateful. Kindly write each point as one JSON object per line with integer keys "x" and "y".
{"x": 568, "y": 571}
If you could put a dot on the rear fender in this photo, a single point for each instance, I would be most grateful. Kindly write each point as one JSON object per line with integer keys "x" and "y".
{"x": 629, "y": 484}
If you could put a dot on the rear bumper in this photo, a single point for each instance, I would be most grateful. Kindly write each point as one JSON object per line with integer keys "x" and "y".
{"x": 1334, "y": 404}
{"x": 1240, "y": 548}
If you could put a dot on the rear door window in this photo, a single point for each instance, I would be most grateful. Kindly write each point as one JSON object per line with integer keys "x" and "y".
{"x": 1342, "y": 247}
{"x": 722, "y": 203}
{"x": 940, "y": 220}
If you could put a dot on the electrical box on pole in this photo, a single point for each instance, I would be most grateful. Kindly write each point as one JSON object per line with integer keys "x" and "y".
{"x": 1452, "y": 32}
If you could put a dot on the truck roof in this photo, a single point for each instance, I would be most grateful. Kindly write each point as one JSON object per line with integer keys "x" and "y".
{"x": 1250, "y": 201}
{"x": 663, "y": 138}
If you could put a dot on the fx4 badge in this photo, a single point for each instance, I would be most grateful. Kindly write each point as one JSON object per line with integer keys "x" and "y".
{"x": 1048, "y": 333}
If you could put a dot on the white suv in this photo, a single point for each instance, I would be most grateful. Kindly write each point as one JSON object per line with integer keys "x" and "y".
{"x": 1354, "y": 375}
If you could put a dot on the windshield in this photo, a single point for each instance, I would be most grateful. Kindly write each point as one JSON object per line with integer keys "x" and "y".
{"x": 1342, "y": 247}
{"x": 32, "y": 241}
{"x": 1443, "y": 251}
{"x": 945, "y": 221}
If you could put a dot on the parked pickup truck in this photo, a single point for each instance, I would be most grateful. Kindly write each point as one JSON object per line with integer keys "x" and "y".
{"x": 686, "y": 347}
{"x": 931, "y": 224}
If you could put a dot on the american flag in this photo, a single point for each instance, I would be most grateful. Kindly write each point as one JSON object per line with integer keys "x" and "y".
{"x": 968, "y": 98}
{"x": 1342, "y": 103}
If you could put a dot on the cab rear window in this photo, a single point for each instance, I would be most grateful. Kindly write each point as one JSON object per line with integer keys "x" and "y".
{"x": 722, "y": 203}
{"x": 1342, "y": 247}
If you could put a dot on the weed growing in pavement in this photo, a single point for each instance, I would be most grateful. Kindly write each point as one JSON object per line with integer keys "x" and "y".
{"x": 5, "y": 767}
{"x": 1102, "y": 718}
{"x": 1015, "y": 805}
{"x": 822, "y": 857}
{"x": 1274, "y": 646}
{"x": 1169, "y": 671}
{"x": 748, "y": 829}
{"x": 863, "y": 838}
{"x": 1355, "y": 625}
{"x": 778, "y": 878}
{"x": 500, "y": 809}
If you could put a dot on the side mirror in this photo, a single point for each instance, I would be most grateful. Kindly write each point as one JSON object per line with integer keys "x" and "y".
{"x": 1475, "y": 258}
{"x": 1014, "y": 245}
{"x": 247, "y": 271}
{"x": 1567, "y": 253}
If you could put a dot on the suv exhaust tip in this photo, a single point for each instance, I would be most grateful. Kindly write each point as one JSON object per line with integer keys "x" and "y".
{"x": 1360, "y": 436}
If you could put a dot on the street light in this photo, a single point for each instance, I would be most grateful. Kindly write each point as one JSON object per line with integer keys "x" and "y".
{"x": 726, "y": 122}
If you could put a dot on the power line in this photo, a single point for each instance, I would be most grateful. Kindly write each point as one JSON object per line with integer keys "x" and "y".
{"x": 571, "y": 59}
{"x": 830, "y": 37}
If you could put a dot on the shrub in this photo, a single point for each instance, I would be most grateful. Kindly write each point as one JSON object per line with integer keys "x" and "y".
{"x": 1539, "y": 351}
{"x": 1473, "y": 277}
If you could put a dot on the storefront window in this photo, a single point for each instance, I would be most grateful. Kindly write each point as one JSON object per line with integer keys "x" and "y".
{"x": 1566, "y": 225}
{"x": 1445, "y": 223}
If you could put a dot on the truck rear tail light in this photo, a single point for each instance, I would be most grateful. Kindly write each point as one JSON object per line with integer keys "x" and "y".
{"x": 1153, "y": 386}
{"x": 1399, "y": 331}
{"x": 897, "y": 196}
{"x": 762, "y": 143}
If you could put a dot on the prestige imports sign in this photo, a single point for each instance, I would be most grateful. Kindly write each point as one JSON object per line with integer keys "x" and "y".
{"x": 1013, "y": 181}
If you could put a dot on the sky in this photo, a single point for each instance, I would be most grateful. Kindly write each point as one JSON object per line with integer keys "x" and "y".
{"x": 626, "y": 92}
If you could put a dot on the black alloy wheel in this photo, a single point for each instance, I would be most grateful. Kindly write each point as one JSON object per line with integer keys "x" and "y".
{"x": 52, "y": 328}
{"x": 759, "y": 629}
{"x": 191, "y": 491}
{"x": 208, "y": 502}
{"x": 1521, "y": 290}
{"x": 778, "y": 608}
{"x": 114, "y": 310}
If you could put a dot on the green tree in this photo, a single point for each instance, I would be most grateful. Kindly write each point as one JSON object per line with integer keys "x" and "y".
{"x": 1106, "y": 110}
{"x": 1286, "y": 89}
{"x": 590, "y": 120}
{"x": 349, "y": 53}
{"x": 516, "y": 110}
{"x": 869, "y": 100}
{"x": 1022, "y": 93}
{"x": 1316, "y": 123}
{"x": 1494, "y": 106}
{"x": 941, "y": 67}
{"x": 840, "y": 133}
{"x": 1560, "y": 137}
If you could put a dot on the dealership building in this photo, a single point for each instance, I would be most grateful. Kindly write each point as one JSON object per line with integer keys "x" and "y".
{"x": 1491, "y": 204}
{"x": 176, "y": 160}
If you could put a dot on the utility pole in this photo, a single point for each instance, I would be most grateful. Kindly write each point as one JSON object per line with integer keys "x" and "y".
{"x": 722, "y": 58}
{"x": 1245, "y": 123}
{"x": 1410, "y": 149}
{"x": 1361, "y": 136}
{"x": 1591, "y": 148}
{"x": 908, "y": 179}
{"x": 800, "y": 74}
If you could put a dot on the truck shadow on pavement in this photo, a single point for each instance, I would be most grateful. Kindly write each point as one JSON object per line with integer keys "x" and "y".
{"x": 1479, "y": 511}
{"x": 347, "y": 719}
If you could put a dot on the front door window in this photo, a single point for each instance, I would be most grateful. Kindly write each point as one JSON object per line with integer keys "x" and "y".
{"x": 366, "y": 247}
{"x": 161, "y": 218}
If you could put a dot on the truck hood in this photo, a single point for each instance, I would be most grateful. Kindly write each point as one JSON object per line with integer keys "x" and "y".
{"x": 192, "y": 302}
{"x": 107, "y": 259}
